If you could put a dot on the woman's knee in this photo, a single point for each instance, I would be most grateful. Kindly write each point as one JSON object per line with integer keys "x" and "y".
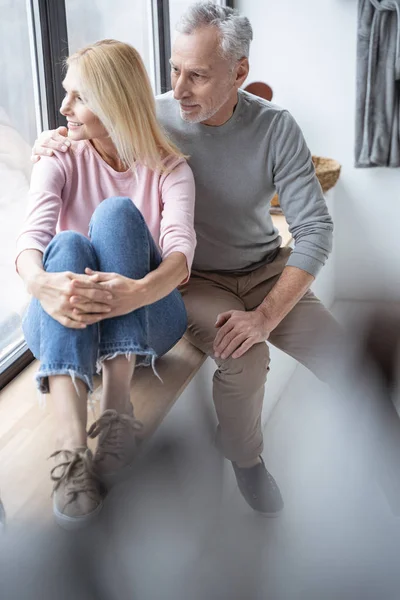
{"x": 70, "y": 250}
{"x": 71, "y": 240}
{"x": 116, "y": 211}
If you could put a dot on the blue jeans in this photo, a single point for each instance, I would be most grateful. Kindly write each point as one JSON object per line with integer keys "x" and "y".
{"x": 120, "y": 242}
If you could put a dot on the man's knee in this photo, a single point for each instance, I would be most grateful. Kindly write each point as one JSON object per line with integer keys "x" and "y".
{"x": 251, "y": 369}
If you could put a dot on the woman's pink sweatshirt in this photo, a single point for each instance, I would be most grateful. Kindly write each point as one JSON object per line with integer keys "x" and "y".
{"x": 66, "y": 189}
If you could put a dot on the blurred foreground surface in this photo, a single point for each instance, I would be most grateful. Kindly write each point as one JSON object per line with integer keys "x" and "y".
{"x": 180, "y": 529}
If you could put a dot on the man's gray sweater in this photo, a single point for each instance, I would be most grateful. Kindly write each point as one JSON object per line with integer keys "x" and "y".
{"x": 238, "y": 167}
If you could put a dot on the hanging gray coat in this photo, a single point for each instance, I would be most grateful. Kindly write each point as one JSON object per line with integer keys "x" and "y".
{"x": 378, "y": 84}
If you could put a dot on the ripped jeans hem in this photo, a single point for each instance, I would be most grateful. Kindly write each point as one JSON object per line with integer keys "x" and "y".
{"x": 143, "y": 359}
{"x": 42, "y": 378}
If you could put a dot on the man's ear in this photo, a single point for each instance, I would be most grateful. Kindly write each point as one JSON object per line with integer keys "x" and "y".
{"x": 242, "y": 70}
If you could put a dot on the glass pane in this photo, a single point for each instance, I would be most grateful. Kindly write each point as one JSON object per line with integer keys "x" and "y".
{"x": 124, "y": 20}
{"x": 176, "y": 8}
{"x": 17, "y": 135}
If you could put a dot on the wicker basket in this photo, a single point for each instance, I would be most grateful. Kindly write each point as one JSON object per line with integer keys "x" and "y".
{"x": 327, "y": 171}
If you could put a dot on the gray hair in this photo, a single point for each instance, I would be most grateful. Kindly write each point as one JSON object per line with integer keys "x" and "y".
{"x": 235, "y": 29}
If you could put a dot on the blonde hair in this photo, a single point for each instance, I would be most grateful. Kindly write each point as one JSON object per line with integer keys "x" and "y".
{"x": 115, "y": 86}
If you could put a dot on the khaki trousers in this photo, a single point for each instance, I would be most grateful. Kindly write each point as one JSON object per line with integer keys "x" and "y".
{"x": 308, "y": 333}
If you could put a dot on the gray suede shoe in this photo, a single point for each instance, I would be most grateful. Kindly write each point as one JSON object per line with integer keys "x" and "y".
{"x": 116, "y": 446}
{"x": 259, "y": 489}
{"x": 77, "y": 492}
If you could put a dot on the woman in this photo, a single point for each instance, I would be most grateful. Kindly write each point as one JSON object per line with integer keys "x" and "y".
{"x": 107, "y": 239}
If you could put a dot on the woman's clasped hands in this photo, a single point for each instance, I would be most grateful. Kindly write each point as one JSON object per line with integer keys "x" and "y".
{"x": 76, "y": 300}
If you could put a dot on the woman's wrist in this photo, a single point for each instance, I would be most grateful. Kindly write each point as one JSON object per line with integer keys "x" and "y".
{"x": 162, "y": 281}
{"x": 142, "y": 291}
{"x": 34, "y": 283}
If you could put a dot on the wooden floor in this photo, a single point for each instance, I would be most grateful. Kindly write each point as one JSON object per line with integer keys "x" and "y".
{"x": 27, "y": 430}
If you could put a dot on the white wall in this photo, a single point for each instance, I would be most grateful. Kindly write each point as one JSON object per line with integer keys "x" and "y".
{"x": 306, "y": 51}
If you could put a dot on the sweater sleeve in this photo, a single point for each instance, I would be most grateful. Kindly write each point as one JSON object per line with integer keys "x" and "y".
{"x": 300, "y": 196}
{"x": 44, "y": 205}
{"x": 177, "y": 219}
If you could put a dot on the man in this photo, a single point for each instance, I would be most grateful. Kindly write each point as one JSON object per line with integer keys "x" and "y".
{"x": 244, "y": 289}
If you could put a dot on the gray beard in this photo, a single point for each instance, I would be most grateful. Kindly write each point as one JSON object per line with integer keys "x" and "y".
{"x": 202, "y": 116}
{"x": 195, "y": 119}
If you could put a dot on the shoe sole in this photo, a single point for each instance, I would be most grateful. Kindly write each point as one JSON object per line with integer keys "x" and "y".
{"x": 75, "y": 523}
{"x": 273, "y": 515}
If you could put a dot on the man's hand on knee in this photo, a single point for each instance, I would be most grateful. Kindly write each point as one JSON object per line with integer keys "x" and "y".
{"x": 238, "y": 332}
{"x": 55, "y": 139}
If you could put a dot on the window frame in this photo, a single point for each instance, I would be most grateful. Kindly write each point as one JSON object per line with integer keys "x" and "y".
{"x": 161, "y": 45}
{"x": 54, "y": 41}
{"x": 17, "y": 360}
{"x": 46, "y": 31}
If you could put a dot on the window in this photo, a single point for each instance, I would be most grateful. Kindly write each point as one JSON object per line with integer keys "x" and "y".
{"x": 18, "y": 130}
{"x": 176, "y": 9}
{"x": 124, "y": 20}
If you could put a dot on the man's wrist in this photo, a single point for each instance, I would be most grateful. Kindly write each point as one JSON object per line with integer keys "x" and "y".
{"x": 270, "y": 322}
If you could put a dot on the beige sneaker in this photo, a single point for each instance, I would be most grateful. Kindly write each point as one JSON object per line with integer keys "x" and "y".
{"x": 77, "y": 492}
{"x": 116, "y": 446}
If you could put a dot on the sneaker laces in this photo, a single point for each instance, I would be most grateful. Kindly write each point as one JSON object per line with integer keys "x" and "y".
{"x": 110, "y": 428}
{"x": 76, "y": 473}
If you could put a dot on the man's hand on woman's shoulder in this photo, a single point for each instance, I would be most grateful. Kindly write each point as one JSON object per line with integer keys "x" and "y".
{"x": 54, "y": 139}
